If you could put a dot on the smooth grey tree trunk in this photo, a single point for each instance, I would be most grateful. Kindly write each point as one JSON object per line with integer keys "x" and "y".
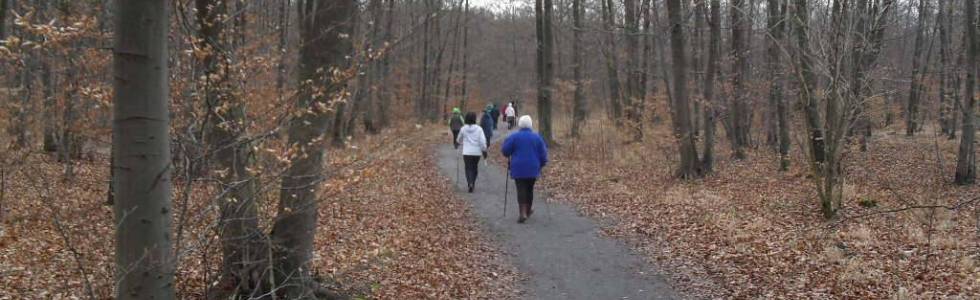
{"x": 711, "y": 71}
{"x": 545, "y": 56}
{"x": 916, "y": 89}
{"x": 775, "y": 22}
{"x": 739, "y": 118}
{"x": 4, "y": 6}
{"x": 141, "y": 148}
{"x": 612, "y": 62}
{"x": 579, "y": 109}
{"x": 241, "y": 239}
{"x": 682, "y": 107}
{"x": 966, "y": 163}
{"x": 634, "y": 68}
{"x": 324, "y": 30}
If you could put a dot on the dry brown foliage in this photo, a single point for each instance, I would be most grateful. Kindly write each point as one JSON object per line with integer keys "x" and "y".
{"x": 749, "y": 231}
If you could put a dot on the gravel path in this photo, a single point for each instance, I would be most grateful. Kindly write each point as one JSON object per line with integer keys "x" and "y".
{"x": 561, "y": 252}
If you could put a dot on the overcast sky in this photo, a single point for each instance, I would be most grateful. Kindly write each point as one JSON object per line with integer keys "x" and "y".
{"x": 494, "y": 4}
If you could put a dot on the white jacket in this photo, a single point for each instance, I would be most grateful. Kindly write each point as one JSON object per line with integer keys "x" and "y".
{"x": 473, "y": 140}
{"x": 509, "y": 112}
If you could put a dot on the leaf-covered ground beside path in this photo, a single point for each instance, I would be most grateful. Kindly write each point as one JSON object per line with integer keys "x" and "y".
{"x": 390, "y": 228}
{"x": 748, "y": 231}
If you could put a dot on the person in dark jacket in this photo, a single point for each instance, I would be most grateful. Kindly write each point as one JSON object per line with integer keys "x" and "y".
{"x": 455, "y": 124}
{"x": 486, "y": 122}
{"x": 528, "y": 154}
{"x": 495, "y": 113}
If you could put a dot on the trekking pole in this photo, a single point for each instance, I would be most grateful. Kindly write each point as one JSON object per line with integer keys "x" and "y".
{"x": 506, "y": 188}
{"x": 457, "y": 168}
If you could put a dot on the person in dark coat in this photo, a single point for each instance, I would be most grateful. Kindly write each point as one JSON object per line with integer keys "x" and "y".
{"x": 495, "y": 113}
{"x": 528, "y": 154}
{"x": 455, "y": 124}
{"x": 487, "y": 123}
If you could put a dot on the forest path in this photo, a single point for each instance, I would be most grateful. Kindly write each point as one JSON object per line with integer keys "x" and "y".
{"x": 563, "y": 255}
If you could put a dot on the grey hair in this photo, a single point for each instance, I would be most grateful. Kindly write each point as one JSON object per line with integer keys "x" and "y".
{"x": 524, "y": 122}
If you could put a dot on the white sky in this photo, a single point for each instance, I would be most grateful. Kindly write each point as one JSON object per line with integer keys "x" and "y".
{"x": 495, "y": 4}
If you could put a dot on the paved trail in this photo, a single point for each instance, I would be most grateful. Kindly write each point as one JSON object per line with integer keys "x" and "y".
{"x": 564, "y": 256}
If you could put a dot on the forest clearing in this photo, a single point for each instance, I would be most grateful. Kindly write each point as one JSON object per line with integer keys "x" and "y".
{"x": 482, "y": 149}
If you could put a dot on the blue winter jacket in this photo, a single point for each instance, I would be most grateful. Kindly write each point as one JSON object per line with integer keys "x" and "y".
{"x": 487, "y": 123}
{"x": 527, "y": 152}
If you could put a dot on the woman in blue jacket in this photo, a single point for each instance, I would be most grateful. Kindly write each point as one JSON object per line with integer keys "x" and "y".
{"x": 528, "y": 155}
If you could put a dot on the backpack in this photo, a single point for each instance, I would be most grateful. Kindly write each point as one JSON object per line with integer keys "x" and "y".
{"x": 456, "y": 123}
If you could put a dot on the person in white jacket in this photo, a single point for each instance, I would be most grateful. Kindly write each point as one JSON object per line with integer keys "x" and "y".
{"x": 474, "y": 146}
{"x": 510, "y": 114}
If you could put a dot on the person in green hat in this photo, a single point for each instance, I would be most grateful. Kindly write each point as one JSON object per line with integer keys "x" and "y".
{"x": 455, "y": 125}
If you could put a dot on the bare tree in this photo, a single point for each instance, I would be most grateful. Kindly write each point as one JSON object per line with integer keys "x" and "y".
{"x": 966, "y": 164}
{"x": 141, "y": 147}
{"x": 634, "y": 68}
{"x": 739, "y": 113}
{"x": 545, "y": 62}
{"x": 710, "y": 73}
{"x": 241, "y": 239}
{"x": 612, "y": 61}
{"x": 579, "y": 110}
{"x": 916, "y": 89}
{"x": 325, "y": 28}
{"x": 4, "y": 6}
{"x": 682, "y": 107}
{"x": 948, "y": 80}
{"x": 777, "y": 24}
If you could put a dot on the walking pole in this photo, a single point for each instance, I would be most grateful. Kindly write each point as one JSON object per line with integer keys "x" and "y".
{"x": 506, "y": 188}
{"x": 547, "y": 206}
{"x": 457, "y": 168}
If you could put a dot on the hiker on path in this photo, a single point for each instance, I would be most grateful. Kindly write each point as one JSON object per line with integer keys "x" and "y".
{"x": 510, "y": 115}
{"x": 487, "y": 123}
{"x": 455, "y": 124}
{"x": 528, "y": 154}
{"x": 474, "y": 143}
{"x": 495, "y": 114}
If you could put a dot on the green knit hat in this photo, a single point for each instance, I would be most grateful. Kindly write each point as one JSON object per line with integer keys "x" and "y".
{"x": 457, "y": 111}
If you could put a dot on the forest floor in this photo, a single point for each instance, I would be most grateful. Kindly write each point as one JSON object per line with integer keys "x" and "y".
{"x": 750, "y": 231}
{"x": 390, "y": 228}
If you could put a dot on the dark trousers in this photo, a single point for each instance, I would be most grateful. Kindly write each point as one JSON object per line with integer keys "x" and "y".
{"x": 510, "y": 123}
{"x": 472, "y": 164}
{"x": 525, "y": 191}
{"x": 455, "y": 138}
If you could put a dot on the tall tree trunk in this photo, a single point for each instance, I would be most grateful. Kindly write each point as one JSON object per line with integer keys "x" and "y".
{"x": 634, "y": 68}
{"x": 807, "y": 81}
{"x": 739, "y": 118}
{"x": 966, "y": 163}
{"x": 241, "y": 239}
{"x": 325, "y": 27}
{"x": 711, "y": 71}
{"x": 775, "y": 22}
{"x": 682, "y": 107}
{"x": 612, "y": 62}
{"x": 947, "y": 113}
{"x": 141, "y": 147}
{"x": 466, "y": 46}
{"x": 384, "y": 90}
{"x": 916, "y": 89}
{"x": 579, "y": 110}
{"x": 4, "y": 6}
{"x": 545, "y": 56}
{"x": 283, "y": 51}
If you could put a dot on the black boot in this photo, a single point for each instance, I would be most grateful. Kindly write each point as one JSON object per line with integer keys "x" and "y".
{"x": 471, "y": 189}
{"x": 523, "y": 215}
